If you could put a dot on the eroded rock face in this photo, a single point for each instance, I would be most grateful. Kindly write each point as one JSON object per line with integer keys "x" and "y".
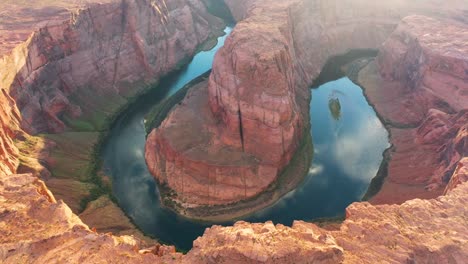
{"x": 421, "y": 91}
{"x": 428, "y": 55}
{"x": 9, "y": 130}
{"x": 34, "y": 227}
{"x": 267, "y": 243}
{"x": 418, "y": 231}
{"x": 252, "y": 117}
{"x": 459, "y": 176}
{"x": 258, "y": 93}
{"x": 86, "y": 65}
{"x": 239, "y": 8}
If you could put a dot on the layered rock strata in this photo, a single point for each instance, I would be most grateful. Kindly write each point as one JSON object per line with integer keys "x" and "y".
{"x": 258, "y": 93}
{"x": 86, "y": 65}
{"x": 421, "y": 91}
{"x": 249, "y": 121}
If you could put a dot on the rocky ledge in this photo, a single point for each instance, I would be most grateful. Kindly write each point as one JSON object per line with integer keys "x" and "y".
{"x": 419, "y": 86}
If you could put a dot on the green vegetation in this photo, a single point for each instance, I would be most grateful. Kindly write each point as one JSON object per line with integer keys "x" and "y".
{"x": 73, "y": 154}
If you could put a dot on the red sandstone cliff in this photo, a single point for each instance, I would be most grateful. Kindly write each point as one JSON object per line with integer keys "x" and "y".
{"x": 250, "y": 124}
{"x": 421, "y": 92}
{"x": 86, "y": 65}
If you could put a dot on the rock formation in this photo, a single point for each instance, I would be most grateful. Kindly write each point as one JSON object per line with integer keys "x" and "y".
{"x": 258, "y": 97}
{"x": 69, "y": 66}
{"x": 86, "y": 65}
{"x": 421, "y": 93}
{"x": 75, "y": 65}
{"x": 370, "y": 234}
{"x": 251, "y": 121}
{"x": 35, "y": 228}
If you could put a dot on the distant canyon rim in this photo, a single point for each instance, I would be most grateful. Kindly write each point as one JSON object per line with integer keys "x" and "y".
{"x": 67, "y": 69}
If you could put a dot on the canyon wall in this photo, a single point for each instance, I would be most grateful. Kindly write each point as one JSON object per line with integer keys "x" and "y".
{"x": 419, "y": 86}
{"x": 86, "y": 66}
{"x": 252, "y": 121}
{"x": 68, "y": 66}
{"x": 258, "y": 93}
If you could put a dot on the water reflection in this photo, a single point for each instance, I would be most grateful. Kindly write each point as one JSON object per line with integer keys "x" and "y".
{"x": 348, "y": 139}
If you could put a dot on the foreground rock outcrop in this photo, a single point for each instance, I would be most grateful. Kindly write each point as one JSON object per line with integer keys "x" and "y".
{"x": 370, "y": 234}
{"x": 34, "y": 228}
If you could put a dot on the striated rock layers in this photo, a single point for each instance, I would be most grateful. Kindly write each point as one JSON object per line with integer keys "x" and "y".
{"x": 87, "y": 65}
{"x": 421, "y": 91}
{"x": 257, "y": 106}
{"x": 249, "y": 122}
{"x": 71, "y": 65}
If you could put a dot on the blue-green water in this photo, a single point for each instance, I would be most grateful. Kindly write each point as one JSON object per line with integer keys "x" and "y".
{"x": 348, "y": 152}
{"x": 347, "y": 155}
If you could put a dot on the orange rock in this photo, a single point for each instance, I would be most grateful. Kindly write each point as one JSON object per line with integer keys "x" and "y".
{"x": 423, "y": 97}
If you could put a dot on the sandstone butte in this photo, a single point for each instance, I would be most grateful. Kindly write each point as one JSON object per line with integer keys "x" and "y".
{"x": 35, "y": 227}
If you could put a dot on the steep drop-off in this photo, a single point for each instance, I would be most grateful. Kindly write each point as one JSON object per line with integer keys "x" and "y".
{"x": 250, "y": 124}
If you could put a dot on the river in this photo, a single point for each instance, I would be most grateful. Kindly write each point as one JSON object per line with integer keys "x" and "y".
{"x": 348, "y": 142}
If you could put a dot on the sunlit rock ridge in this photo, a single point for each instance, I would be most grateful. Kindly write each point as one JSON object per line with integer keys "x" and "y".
{"x": 35, "y": 228}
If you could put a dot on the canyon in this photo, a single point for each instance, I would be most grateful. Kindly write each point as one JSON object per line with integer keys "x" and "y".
{"x": 258, "y": 87}
{"x": 247, "y": 136}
